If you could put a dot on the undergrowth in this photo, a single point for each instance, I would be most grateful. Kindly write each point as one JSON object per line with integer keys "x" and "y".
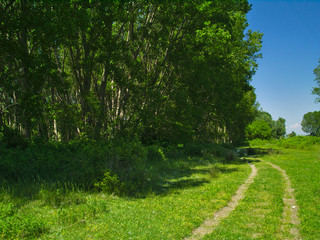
{"x": 54, "y": 187}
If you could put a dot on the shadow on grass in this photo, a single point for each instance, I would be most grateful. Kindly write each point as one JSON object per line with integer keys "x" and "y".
{"x": 261, "y": 151}
{"x": 171, "y": 177}
{"x": 165, "y": 177}
{"x": 251, "y": 155}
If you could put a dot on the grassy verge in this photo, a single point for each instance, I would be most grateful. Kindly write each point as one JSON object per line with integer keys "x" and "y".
{"x": 303, "y": 168}
{"x": 301, "y": 160}
{"x": 185, "y": 190}
{"x": 259, "y": 214}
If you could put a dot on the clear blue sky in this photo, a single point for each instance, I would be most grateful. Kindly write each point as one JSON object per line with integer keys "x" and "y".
{"x": 291, "y": 51}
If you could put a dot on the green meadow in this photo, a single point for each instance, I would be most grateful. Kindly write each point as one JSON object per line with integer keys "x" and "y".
{"x": 183, "y": 191}
{"x": 185, "y": 188}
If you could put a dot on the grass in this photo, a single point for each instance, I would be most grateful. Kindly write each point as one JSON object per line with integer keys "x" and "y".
{"x": 259, "y": 214}
{"x": 303, "y": 168}
{"x": 300, "y": 159}
{"x": 182, "y": 191}
{"x": 188, "y": 191}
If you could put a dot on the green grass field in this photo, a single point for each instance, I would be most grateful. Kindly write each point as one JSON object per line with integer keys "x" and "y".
{"x": 303, "y": 167}
{"x": 187, "y": 192}
{"x": 300, "y": 158}
{"x": 259, "y": 214}
{"x": 191, "y": 190}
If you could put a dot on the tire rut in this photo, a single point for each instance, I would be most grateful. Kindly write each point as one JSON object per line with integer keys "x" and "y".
{"x": 208, "y": 226}
{"x": 290, "y": 221}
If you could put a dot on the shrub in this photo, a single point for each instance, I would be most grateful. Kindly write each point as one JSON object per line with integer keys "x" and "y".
{"x": 258, "y": 129}
{"x": 12, "y": 138}
{"x": 14, "y": 225}
{"x": 110, "y": 183}
{"x": 193, "y": 149}
{"x": 155, "y": 154}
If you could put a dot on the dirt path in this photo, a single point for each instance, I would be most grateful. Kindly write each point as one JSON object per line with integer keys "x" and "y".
{"x": 290, "y": 219}
{"x": 208, "y": 226}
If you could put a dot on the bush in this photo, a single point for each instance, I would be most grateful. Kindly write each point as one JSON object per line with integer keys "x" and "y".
{"x": 80, "y": 162}
{"x": 14, "y": 225}
{"x": 193, "y": 149}
{"x": 155, "y": 154}
{"x": 12, "y": 138}
{"x": 110, "y": 183}
{"x": 258, "y": 129}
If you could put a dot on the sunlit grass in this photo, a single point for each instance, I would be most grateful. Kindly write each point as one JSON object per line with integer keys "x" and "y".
{"x": 187, "y": 196}
{"x": 300, "y": 158}
{"x": 303, "y": 168}
{"x": 259, "y": 213}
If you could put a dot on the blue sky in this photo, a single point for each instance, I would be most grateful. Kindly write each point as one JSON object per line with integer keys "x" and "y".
{"x": 291, "y": 51}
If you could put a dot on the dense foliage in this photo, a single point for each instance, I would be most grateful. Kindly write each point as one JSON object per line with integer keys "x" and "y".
{"x": 263, "y": 127}
{"x": 311, "y": 123}
{"x": 169, "y": 71}
{"x": 316, "y": 90}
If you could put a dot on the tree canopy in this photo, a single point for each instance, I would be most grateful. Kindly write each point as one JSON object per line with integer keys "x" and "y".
{"x": 162, "y": 70}
{"x": 316, "y": 90}
{"x": 311, "y": 123}
{"x": 264, "y": 127}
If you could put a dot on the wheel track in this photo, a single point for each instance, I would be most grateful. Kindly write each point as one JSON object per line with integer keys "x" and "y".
{"x": 208, "y": 226}
{"x": 290, "y": 219}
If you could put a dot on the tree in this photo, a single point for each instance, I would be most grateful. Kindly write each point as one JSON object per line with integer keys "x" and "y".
{"x": 279, "y": 128}
{"x": 171, "y": 71}
{"x": 316, "y": 90}
{"x": 311, "y": 123}
{"x": 258, "y": 129}
{"x": 292, "y": 134}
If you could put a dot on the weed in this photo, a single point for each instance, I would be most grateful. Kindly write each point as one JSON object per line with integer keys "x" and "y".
{"x": 14, "y": 225}
{"x": 110, "y": 183}
{"x": 213, "y": 171}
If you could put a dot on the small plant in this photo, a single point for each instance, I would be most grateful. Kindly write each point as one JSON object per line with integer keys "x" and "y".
{"x": 52, "y": 197}
{"x": 214, "y": 171}
{"x": 110, "y": 183}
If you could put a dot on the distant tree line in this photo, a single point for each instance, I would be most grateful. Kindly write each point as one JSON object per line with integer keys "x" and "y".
{"x": 263, "y": 127}
{"x": 171, "y": 71}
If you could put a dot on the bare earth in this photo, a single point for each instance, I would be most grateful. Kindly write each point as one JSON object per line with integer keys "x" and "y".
{"x": 208, "y": 226}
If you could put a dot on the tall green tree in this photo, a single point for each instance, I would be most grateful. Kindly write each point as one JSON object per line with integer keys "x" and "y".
{"x": 277, "y": 128}
{"x": 311, "y": 123}
{"x": 172, "y": 71}
{"x": 259, "y": 129}
{"x": 316, "y": 90}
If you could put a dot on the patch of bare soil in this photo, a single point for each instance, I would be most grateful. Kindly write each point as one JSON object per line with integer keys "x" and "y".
{"x": 208, "y": 226}
{"x": 290, "y": 219}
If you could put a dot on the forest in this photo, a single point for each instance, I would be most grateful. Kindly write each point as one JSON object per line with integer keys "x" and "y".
{"x": 138, "y": 120}
{"x": 158, "y": 71}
